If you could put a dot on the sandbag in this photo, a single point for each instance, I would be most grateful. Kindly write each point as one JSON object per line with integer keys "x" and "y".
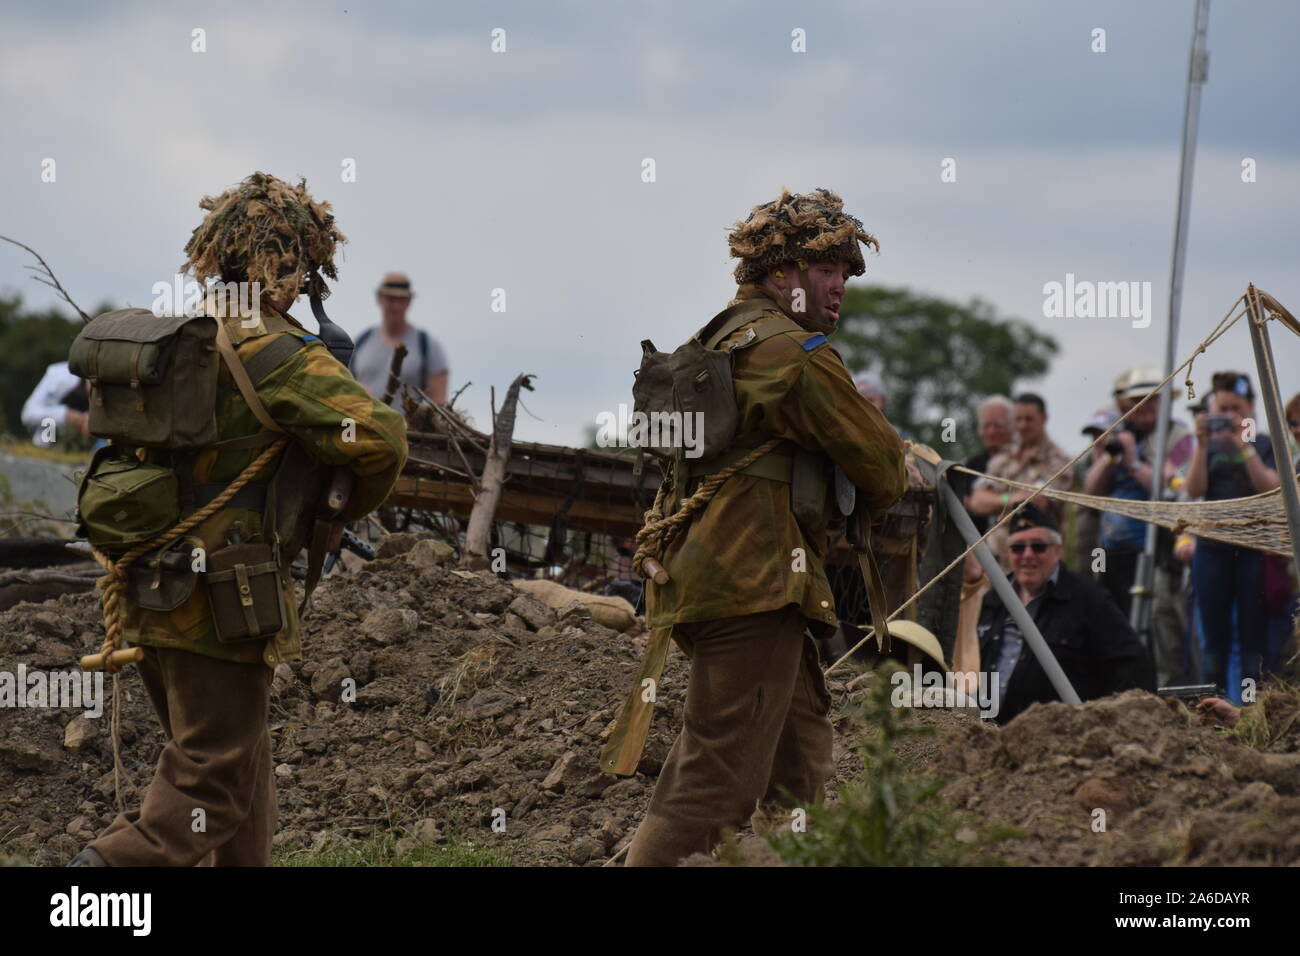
{"x": 606, "y": 609}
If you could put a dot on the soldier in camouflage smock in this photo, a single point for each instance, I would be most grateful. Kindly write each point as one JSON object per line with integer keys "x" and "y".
{"x": 211, "y": 697}
{"x": 746, "y": 581}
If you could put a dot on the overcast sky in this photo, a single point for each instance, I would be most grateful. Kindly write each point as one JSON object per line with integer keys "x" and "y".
{"x": 521, "y": 170}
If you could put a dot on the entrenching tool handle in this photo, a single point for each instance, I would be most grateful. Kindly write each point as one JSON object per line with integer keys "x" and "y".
{"x": 623, "y": 750}
{"x": 654, "y": 571}
{"x": 118, "y": 658}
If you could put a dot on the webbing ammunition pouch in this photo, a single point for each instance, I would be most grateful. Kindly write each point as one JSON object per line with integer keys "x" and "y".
{"x": 809, "y": 500}
{"x": 123, "y": 501}
{"x": 163, "y": 580}
{"x": 152, "y": 380}
{"x": 243, "y": 582}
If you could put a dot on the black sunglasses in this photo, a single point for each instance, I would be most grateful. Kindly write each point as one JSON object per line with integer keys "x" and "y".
{"x": 1038, "y": 546}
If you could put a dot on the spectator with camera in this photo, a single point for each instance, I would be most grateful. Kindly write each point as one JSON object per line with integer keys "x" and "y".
{"x": 1232, "y": 460}
{"x": 1123, "y": 466}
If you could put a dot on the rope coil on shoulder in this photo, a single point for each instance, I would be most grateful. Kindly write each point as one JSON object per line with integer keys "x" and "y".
{"x": 659, "y": 531}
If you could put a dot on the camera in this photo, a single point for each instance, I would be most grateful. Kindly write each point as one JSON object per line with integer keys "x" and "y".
{"x": 1218, "y": 423}
{"x": 1113, "y": 445}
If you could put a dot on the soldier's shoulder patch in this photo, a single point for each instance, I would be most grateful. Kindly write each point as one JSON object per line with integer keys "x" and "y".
{"x": 814, "y": 342}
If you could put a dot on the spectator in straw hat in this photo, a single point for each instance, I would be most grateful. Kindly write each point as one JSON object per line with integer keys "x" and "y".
{"x": 1121, "y": 468}
{"x": 425, "y": 365}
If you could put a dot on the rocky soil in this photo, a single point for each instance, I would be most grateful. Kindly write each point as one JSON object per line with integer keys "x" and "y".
{"x": 475, "y": 701}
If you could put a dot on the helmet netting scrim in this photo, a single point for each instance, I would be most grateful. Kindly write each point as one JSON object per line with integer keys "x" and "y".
{"x": 264, "y": 230}
{"x": 813, "y": 227}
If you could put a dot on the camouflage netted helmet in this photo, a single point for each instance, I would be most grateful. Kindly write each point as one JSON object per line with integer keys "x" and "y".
{"x": 266, "y": 231}
{"x": 812, "y": 228}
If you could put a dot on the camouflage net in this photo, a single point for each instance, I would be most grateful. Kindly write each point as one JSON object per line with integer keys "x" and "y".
{"x": 1257, "y": 522}
{"x": 811, "y": 227}
{"x": 269, "y": 232}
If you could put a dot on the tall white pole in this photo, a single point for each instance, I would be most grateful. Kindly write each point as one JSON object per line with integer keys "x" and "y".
{"x": 1140, "y": 608}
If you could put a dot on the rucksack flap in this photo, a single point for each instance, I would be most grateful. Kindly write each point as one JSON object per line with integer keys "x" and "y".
{"x": 696, "y": 379}
{"x": 152, "y": 379}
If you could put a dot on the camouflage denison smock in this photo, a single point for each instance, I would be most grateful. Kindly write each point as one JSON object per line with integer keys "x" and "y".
{"x": 738, "y": 555}
{"x": 309, "y": 395}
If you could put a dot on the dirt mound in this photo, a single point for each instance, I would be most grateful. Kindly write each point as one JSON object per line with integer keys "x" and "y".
{"x": 470, "y": 697}
{"x": 440, "y": 701}
{"x": 1169, "y": 790}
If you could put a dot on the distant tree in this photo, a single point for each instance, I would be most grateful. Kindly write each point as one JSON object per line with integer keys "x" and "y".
{"x": 937, "y": 359}
{"x": 29, "y": 343}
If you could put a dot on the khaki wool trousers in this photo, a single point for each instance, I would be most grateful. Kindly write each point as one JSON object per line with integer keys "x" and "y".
{"x": 217, "y": 759}
{"x": 756, "y": 725}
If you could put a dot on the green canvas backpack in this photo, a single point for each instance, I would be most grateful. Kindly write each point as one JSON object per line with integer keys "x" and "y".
{"x": 153, "y": 394}
{"x": 152, "y": 382}
{"x": 152, "y": 379}
{"x": 697, "y": 378}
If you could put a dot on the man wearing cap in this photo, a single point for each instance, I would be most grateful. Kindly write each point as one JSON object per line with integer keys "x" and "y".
{"x": 1084, "y": 629}
{"x": 1122, "y": 468}
{"x": 425, "y": 365}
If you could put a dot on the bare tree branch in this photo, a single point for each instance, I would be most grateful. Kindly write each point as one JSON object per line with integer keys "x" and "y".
{"x": 452, "y": 403}
{"x": 51, "y": 281}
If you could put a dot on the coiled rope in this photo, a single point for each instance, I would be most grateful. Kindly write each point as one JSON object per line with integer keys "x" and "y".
{"x": 113, "y": 586}
{"x": 659, "y": 531}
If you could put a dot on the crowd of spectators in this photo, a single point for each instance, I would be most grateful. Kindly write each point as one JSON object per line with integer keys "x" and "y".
{"x": 1220, "y": 613}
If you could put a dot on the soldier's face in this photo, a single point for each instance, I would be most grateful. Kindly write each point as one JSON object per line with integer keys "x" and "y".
{"x": 826, "y": 282}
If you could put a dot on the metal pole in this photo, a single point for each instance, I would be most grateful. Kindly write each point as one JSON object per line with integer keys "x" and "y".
{"x": 1276, "y": 421}
{"x": 1015, "y": 607}
{"x": 1140, "y": 607}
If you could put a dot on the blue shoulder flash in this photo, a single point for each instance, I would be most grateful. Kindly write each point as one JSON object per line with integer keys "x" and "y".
{"x": 816, "y": 340}
{"x": 311, "y": 338}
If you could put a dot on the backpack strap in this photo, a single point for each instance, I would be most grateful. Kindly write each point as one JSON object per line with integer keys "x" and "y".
{"x": 424, "y": 358}
{"x": 730, "y": 319}
{"x": 242, "y": 381}
{"x": 361, "y": 340}
{"x": 272, "y": 356}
